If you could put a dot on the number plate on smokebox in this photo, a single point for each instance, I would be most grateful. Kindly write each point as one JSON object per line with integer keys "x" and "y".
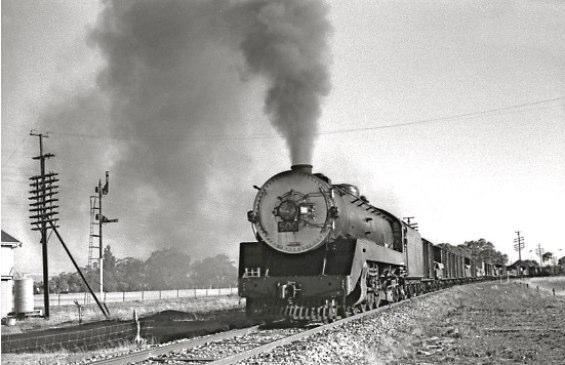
{"x": 288, "y": 226}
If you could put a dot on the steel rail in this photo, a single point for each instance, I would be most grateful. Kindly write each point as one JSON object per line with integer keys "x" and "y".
{"x": 143, "y": 355}
{"x": 229, "y": 360}
{"x": 298, "y": 336}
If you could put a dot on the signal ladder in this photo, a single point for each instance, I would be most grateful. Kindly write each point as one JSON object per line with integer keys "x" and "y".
{"x": 93, "y": 245}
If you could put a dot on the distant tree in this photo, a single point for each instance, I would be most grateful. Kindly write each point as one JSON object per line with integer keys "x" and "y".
{"x": 111, "y": 277}
{"x": 109, "y": 259}
{"x": 561, "y": 261}
{"x": 75, "y": 283}
{"x": 131, "y": 274}
{"x": 59, "y": 283}
{"x": 66, "y": 283}
{"x": 214, "y": 271}
{"x": 484, "y": 250}
{"x": 167, "y": 268}
{"x": 92, "y": 275}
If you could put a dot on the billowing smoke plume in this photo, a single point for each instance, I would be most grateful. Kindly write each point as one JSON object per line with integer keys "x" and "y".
{"x": 286, "y": 42}
{"x": 168, "y": 86}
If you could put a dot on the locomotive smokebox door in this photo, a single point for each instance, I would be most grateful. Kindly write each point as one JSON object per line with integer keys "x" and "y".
{"x": 292, "y": 211}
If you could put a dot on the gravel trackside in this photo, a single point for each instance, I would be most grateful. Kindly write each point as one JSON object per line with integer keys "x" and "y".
{"x": 483, "y": 323}
{"x": 487, "y": 323}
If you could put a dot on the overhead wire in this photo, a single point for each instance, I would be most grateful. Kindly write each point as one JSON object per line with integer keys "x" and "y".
{"x": 448, "y": 118}
{"x": 14, "y": 151}
{"x": 519, "y": 108}
{"x": 508, "y": 109}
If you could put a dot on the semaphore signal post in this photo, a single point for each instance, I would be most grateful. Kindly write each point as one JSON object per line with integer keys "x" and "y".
{"x": 96, "y": 205}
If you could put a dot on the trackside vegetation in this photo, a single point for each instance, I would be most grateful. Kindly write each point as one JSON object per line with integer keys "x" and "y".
{"x": 167, "y": 268}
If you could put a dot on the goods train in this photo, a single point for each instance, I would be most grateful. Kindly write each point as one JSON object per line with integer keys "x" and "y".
{"x": 324, "y": 252}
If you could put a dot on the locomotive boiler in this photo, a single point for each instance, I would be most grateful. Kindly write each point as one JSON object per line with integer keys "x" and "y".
{"x": 323, "y": 251}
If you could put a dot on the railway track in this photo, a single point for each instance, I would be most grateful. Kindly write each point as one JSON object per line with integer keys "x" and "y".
{"x": 237, "y": 345}
{"x": 144, "y": 355}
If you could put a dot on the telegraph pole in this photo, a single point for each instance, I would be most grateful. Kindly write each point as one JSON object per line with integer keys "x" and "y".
{"x": 519, "y": 246}
{"x": 102, "y": 190}
{"x": 409, "y": 222}
{"x": 43, "y": 210}
{"x": 43, "y": 218}
{"x": 539, "y": 251}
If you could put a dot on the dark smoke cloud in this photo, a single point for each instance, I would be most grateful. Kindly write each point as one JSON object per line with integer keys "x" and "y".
{"x": 170, "y": 77}
{"x": 170, "y": 82}
{"x": 285, "y": 41}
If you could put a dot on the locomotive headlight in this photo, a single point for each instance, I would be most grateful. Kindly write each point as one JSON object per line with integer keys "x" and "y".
{"x": 288, "y": 210}
{"x": 307, "y": 211}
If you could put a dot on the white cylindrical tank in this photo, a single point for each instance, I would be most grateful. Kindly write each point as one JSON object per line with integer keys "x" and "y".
{"x": 23, "y": 295}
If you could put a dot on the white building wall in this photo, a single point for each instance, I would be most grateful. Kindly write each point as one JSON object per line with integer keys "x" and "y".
{"x": 6, "y": 294}
{"x": 7, "y": 255}
{"x": 6, "y": 298}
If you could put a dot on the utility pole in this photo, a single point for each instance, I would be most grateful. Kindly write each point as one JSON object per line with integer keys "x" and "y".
{"x": 102, "y": 190}
{"x": 519, "y": 246}
{"x": 410, "y": 224}
{"x": 540, "y": 252}
{"x": 43, "y": 210}
{"x": 43, "y": 218}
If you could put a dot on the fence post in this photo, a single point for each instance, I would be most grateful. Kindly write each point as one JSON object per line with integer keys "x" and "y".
{"x": 59, "y": 299}
{"x": 177, "y": 293}
{"x": 159, "y": 293}
{"x": 206, "y": 291}
{"x": 195, "y": 292}
{"x": 123, "y": 297}
{"x": 142, "y": 295}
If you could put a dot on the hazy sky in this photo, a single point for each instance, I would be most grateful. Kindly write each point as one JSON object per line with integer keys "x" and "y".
{"x": 157, "y": 97}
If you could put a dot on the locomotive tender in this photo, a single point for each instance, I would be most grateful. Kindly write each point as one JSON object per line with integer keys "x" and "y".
{"x": 324, "y": 252}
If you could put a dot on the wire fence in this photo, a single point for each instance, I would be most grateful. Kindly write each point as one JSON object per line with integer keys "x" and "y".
{"x": 86, "y": 337}
{"x": 122, "y": 297}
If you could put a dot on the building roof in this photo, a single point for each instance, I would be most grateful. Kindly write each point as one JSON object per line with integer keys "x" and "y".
{"x": 524, "y": 263}
{"x": 8, "y": 240}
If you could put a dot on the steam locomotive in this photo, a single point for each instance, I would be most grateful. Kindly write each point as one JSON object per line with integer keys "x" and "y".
{"x": 324, "y": 252}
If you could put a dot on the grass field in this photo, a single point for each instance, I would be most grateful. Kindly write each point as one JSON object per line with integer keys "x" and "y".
{"x": 488, "y": 323}
{"x": 551, "y": 283}
{"x": 68, "y": 315}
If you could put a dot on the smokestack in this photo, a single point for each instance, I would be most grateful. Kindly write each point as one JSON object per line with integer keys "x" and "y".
{"x": 305, "y": 168}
